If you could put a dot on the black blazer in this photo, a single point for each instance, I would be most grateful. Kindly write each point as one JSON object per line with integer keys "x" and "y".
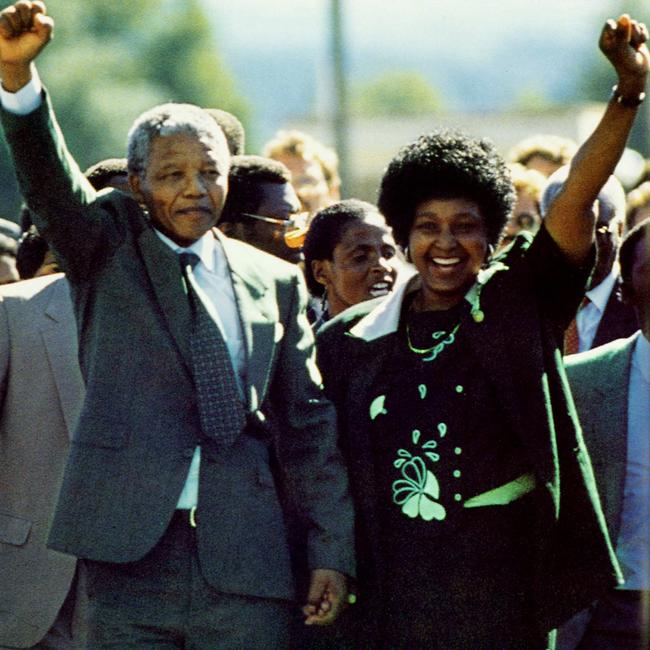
{"x": 517, "y": 345}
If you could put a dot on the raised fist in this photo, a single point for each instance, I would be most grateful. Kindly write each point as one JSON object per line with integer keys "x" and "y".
{"x": 623, "y": 42}
{"x": 25, "y": 30}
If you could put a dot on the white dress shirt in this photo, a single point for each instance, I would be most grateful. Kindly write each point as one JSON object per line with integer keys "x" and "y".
{"x": 588, "y": 317}
{"x": 26, "y": 100}
{"x": 633, "y": 544}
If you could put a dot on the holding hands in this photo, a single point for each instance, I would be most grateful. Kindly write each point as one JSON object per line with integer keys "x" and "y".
{"x": 25, "y": 29}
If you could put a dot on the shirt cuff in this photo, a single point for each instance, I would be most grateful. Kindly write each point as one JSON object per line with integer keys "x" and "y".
{"x": 26, "y": 100}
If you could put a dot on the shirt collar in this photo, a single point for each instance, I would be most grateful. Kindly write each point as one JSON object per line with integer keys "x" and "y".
{"x": 641, "y": 358}
{"x": 205, "y": 248}
{"x": 384, "y": 319}
{"x": 599, "y": 295}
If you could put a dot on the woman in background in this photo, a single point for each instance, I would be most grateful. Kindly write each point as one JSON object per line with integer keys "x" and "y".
{"x": 350, "y": 256}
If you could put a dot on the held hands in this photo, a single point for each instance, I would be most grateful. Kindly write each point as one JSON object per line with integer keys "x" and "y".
{"x": 327, "y": 597}
{"x": 623, "y": 42}
{"x": 25, "y": 30}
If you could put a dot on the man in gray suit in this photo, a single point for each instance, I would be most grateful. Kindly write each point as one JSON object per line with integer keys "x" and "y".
{"x": 611, "y": 387}
{"x": 170, "y": 492}
{"x": 41, "y": 394}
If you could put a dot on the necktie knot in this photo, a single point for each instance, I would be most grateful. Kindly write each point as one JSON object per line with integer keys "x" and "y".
{"x": 188, "y": 259}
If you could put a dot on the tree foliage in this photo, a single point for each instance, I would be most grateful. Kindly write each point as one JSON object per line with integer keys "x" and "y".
{"x": 397, "y": 93}
{"x": 109, "y": 61}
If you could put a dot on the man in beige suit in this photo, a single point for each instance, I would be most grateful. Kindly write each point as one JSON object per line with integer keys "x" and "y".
{"x": 41, "y": 393}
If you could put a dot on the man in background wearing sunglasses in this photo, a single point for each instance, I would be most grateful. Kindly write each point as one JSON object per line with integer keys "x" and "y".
{"x": 262, "y": 208}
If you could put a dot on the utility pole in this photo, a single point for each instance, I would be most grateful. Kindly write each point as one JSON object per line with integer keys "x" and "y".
{"x": 340, "y": 112}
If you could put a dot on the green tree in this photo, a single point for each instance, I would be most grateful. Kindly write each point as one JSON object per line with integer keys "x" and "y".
{"x": 109, "y": 61}
{"x": 399, "y": 93}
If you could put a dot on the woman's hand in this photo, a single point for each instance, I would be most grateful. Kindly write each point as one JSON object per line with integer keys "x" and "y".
{"x": 623, "y": 42}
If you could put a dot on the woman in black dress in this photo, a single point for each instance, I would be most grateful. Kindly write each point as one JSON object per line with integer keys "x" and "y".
{"x": 477, "y": 517}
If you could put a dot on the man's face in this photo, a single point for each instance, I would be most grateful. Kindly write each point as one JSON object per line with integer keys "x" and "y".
{"x": 608, "y": 239}
{"x": 309, "y": 182}
{"x": 525, "y": 216}
{"x": 184, "y": 185}
{"x": 278, "y": 201}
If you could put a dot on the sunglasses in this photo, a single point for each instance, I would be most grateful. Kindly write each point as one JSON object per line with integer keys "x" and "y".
{"x": 294, "y": 228}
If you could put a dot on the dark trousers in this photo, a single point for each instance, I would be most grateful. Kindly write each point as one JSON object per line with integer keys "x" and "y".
{"x": 162, "y": 601}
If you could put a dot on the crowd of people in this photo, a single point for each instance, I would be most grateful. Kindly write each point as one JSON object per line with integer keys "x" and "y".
{"x": 237, "y": 411}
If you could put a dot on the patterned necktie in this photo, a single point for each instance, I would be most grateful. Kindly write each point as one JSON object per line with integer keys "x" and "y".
{"x": 572, "y": 336}
{"x": 220, "y": 406}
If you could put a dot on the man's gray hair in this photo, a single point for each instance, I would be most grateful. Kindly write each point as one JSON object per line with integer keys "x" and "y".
{"x": 169, "y": 119}
{"x": 612, "y": 193}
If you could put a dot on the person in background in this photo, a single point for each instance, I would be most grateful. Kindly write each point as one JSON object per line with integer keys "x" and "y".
{"x": 313, "y": 167}
{"x": 262, "y": 208}
{"x": 232, "y": 128}
{"x": 602, "y": 315}
{"x": 611, "y": 388}
{"x": 526, "y": 213}
{"x": 478, "y": 519}
{"x": 350, "y": 256}
{"x": 637, "y": 205}
{"x": 543, "y": 153}
{"x": 111, "y": 172}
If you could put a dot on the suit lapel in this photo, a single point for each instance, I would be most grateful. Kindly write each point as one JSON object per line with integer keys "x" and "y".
{"x": 259, "y": 321}
{"x": 59, "y": 333}
{"x": 165, "y": 273}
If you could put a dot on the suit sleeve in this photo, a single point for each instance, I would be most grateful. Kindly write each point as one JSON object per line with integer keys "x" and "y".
{"x": 308, "y": 452}
{"x": 61, "y": 198}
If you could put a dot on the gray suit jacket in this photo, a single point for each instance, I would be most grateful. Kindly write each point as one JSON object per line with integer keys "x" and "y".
{"x": 41, "y": 393}
{"x": 139, "y": 424}
{"x": 599, "y": 382}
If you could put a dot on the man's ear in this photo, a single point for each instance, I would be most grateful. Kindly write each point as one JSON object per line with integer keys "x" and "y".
{"x": 320, "y": 269}
{"x": 226, "y": 228}
{"x": 135, "y": 183}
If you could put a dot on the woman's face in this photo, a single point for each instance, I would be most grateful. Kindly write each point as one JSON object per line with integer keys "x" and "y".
{"x": 363, "y": 266}
{"x": 448, "y": 245}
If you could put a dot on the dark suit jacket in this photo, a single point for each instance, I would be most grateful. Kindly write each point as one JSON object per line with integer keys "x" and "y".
{"x": 618, "y": 321}
{"x": 41, "y": 397}
{"x": 139, "y": 425}
{"x": 527, "y": 302}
